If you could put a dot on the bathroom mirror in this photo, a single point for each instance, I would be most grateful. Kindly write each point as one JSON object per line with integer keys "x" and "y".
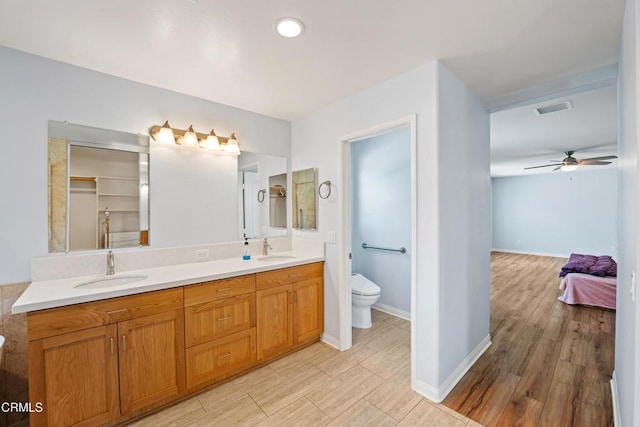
{"x": 304, "y": 199}
{"x": 262, "y": 195}
{"x": 98, "y": 188}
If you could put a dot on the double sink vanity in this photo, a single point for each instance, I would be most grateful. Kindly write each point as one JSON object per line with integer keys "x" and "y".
{"x": 106, "y": 349}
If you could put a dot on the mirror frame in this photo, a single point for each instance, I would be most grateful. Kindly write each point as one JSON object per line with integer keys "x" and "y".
{"x": 92, "y": 137}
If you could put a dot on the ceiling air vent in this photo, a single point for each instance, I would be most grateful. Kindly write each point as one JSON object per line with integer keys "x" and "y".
{"x": 567, "y": 105}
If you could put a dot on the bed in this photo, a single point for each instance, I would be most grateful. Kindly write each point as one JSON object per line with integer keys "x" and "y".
{"x": 589, "y": 280}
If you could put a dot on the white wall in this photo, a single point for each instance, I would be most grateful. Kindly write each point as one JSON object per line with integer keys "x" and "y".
{"x": 381, "y": 215}
{"x": 627, "y": 332}
{"x": 450, "y": 249}
{"x": 464, "y": 223}
{"x": 35, "y": 89}
{"x": 557, "y": 213}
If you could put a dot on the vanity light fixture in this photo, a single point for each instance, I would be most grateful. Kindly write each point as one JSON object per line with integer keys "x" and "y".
{"x": 191, "y": 138}
{"x": 165, "y": 134}
{"x": 288, "y": 27}
{"x": 211, "y": 143}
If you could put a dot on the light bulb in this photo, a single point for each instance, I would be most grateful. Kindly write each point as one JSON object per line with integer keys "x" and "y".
{"x": 232, "y": 145}
{"x": 190, "y": 139}
{"x": 569, "y": 168}
{"x": 288, "y": 27}
{"x": 211, "y": 143}
{"x": 165, "y": 135}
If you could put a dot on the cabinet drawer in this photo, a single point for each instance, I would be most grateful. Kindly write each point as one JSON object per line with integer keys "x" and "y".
{"x": 218, "y": 289}
{"x": 56, "y": 321}
{"x": 283, "y": 276}
{"x": 216, "y": 360}
{"x": 215, "y": 319}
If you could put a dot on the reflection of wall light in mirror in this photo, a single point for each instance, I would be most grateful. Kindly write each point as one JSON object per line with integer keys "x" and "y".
{"x": 211, "y": 143}
{"x": 165, "y": 135}
{"x": 190, "y": 139}
{"x": 232, "y": 145}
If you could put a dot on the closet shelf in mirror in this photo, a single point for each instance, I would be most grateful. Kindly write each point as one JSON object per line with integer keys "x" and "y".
{"x": 119, "y": 194}
{"x": 118, "y": 210}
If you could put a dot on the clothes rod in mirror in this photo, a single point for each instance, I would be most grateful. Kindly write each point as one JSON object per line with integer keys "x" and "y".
{"x": 165, "y": 134}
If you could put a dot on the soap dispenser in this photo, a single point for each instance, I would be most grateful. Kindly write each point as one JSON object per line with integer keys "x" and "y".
{"x": 246, "y": 255}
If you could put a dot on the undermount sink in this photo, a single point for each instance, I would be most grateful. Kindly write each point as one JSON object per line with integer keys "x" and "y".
{"x": 275, "y": 257}
{"x": 110, "y": 281}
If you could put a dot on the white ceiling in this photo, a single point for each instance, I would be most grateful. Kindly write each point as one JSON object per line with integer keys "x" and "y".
{"x": 226, "y": 51}
{"x": 521, "y": 138}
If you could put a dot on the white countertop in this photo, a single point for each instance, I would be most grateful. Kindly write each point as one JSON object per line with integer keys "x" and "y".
{"x": 57, "y": 293}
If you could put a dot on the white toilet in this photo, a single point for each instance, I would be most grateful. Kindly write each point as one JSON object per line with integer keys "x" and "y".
{"x": 364, "y": 293}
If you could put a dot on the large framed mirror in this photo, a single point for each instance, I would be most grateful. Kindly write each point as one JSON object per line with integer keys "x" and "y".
{"x": 262, "y": 195}
{"x": 98, "y": 188}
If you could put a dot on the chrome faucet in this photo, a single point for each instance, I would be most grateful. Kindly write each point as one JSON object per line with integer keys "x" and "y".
{"x": 110, "y": 264}
{"x": 265, "y": 247}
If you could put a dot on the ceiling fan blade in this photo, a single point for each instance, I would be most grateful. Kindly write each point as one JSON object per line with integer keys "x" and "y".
{"x": 600, "y": 158}
{"x": 559, "y": 167}
{"x": 542, "y": 166}
{"x": 593, "y": 162}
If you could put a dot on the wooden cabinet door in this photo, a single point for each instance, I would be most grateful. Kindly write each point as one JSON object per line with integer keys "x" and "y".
{"x": 151, "y": 359}
{"x": 75, "y": 376}
{"x": 308, "y": 310}
{"x": 274, "y": 320}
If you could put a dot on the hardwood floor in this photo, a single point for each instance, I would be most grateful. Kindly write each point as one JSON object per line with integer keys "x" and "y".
{"x": 549, "y": 364}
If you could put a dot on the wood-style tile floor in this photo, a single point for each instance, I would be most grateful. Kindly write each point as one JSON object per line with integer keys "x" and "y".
{"x": 368, "y": 385}
{"x": 549, "y": 363}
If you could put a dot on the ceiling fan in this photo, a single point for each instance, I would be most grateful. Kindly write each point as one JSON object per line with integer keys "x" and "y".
{"x": 570, "y": 163}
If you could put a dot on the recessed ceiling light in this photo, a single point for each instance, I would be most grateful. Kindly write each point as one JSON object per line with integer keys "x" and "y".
{"x": 288, "y": 27}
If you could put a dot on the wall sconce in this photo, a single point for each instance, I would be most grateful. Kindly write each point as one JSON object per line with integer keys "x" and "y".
{"x": 165, "y": 134}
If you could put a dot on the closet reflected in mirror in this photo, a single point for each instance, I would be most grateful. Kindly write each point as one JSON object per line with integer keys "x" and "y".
{"x": 304, "y": 199}
{"x": 262, "y": 195}
{"x": 98, "y": 188}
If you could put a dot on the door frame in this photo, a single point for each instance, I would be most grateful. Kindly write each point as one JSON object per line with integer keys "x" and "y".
{"x": 344, "y": 228}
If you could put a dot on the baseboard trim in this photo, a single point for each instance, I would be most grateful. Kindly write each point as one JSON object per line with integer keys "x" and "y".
{"x": 392, "y": 311}
{"x": 509, "y": 251}
{"x": 617, "y": 422}
{"x": 437, "y": 394}
{"x": 331, "y": 341}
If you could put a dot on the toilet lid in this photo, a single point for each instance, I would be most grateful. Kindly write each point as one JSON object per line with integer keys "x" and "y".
{"x": 363, "y": 286}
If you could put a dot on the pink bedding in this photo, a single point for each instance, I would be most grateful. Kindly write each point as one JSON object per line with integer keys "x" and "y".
{"x": 589, "y": 290}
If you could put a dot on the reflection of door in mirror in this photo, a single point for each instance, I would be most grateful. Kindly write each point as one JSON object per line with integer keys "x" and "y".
{"x": 278, "y": 200}
{"x": 304, "y": 199}
{"x": 104, "y": 198}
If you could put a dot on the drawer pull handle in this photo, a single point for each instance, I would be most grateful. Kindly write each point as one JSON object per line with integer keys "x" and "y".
{"x": 117, "y": 311}
{"x": 111, "y": 344}
{"x": 222, "y": 356}
{"x": 293, "y": 276}
{"x": 223, "y": 318}
{"x": 124, "y": 343}
{"x": 295, "y": 295}
{"x": 223, "y": 290}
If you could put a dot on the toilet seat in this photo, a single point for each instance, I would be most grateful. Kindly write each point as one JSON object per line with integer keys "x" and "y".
{"x": 363, "y": 286}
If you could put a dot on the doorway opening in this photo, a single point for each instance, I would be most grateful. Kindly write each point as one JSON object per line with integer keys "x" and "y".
{"x": 367, "y": 205}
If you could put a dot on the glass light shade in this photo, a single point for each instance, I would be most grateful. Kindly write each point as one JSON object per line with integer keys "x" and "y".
{"x": 568, "y": 168}
{"x": 232, "y": 145}
{"x": 165, "y": 135}
{"x": 211, "y": 143}
{"x": 190, "y": 139}
{"x": 289, "y": 27}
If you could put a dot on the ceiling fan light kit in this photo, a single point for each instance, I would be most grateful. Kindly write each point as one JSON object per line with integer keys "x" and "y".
{"x": 570, "y": 163}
